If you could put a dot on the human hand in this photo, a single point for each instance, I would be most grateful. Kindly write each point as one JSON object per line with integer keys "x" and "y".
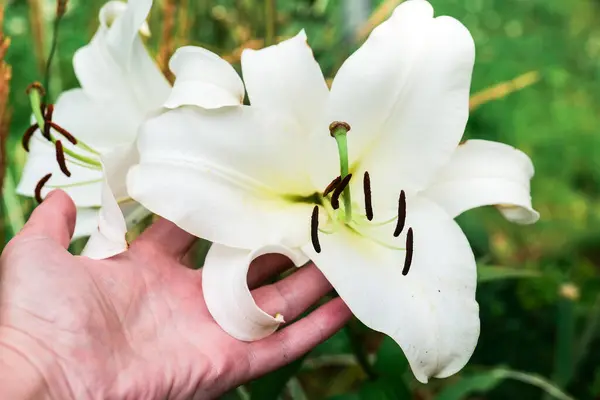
{"x": 136, "y": 325}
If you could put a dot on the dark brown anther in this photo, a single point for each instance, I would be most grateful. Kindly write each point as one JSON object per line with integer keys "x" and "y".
{"x": 401, "y": 214}
{"x": 335, "y": 125}
{"x": 335, "y": 197}
{"x": 60, "y": 158}
{"x": 40, "y": 186}
{"x": 27, "y": 136}
{"x": 332, "y": 186}
{"x": 314, "y": 229}
{"x": 36, "y": 86}
{"x": 49, "y": 111}
{"x": 409, "y": 252}
{"x": 368, "y": 202}
{"x": 47, "y": 120}
{"x": 62, "y": 131}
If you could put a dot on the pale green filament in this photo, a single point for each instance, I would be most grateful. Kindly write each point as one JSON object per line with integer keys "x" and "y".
{"x": 35, "y": 99}
{"x": 339, "y": 133}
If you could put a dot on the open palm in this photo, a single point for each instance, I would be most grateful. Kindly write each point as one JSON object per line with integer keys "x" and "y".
{"x": 136, "y": 325}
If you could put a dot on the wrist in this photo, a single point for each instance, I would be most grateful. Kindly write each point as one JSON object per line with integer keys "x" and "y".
{"x": 28, "y": 370}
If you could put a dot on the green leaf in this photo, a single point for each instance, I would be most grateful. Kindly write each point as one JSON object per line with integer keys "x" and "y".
{"x": 488, "y": 273}
{"x": 270, "y": 386}
{"x": 486, "y": 381}
{"x": 385, "y": 389}
{"x": 390, "y": 361}
{"x": 390, "y": 366}
{"x": 239, "y": 393}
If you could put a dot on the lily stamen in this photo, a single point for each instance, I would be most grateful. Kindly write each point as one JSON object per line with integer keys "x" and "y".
{"x": 335, "y": 197}
{"x": 40, "y": 186}
{"x": 60, "y": 158}
{"x": 401, "y": 214}
{"x": 409, "y": 252}
{"x": 48, "y": 120}
{"x": 314, "y": 229}
{"x": 62, "y": 131}
{"x": 334, "y": 183}
{"x": 35, "y": 92}
{"x": 368, "y": 200}
{"x": 27, "y": 136}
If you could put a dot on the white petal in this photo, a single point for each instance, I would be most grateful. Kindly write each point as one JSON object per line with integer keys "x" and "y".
{"x": 103, "y": 124}
{"x": 203, "y": 79}
{"x": 226, "y": 293}
{"x": 285, "y": 78}
{"x": 109, "y": 238}
{"x": 405, "y": 94}
{"x": 482, "y": 173}
{"x": 87, "y": 222}
{"x": 225, "y": 175}
{"x": 115, "y": 65}
{"x": 431, "y": 312}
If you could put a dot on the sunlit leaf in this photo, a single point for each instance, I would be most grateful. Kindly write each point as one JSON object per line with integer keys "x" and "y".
{"x": 503, "y": 89}
{"x": 487, "y": 273}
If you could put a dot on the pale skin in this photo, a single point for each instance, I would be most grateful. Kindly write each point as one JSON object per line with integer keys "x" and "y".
{"x": 135, "y": 326}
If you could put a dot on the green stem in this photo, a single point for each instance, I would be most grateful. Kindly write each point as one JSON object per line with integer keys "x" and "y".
{"x": 52, "y": 52}
{"x": 589, "y": 333}
{"x": 564, "y": 357}
{"x": 356, "y": 343}
{"x": 342, "y": 142}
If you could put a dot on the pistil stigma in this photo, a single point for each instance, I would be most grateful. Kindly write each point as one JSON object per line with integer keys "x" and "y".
{"x": 339, "y": 131}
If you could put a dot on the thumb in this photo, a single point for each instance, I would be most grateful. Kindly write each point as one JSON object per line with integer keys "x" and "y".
{"x": 54, "y": 218}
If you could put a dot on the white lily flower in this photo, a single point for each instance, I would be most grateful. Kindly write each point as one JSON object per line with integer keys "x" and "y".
{"x": 253, "y": 180}
{"x": 120, "y": 86}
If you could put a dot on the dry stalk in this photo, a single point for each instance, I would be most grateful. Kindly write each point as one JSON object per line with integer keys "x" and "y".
{"x": 503, "y": 89}
{"x": 167, "y": 43}
{"x": 36, "y": 20}
{"x": 185, "y": 21}
{"x": 377, "y": 17}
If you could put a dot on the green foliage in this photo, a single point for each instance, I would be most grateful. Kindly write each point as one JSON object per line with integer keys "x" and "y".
{"x": 270, "y": 386}
{"x": 486, "y": 273}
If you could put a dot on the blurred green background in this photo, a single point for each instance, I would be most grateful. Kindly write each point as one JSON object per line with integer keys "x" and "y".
{"x": 539, "y": 286}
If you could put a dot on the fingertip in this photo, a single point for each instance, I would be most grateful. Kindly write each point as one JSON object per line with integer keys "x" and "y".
{"x": 55, "y": 218}
{"x": 66, "y": 206}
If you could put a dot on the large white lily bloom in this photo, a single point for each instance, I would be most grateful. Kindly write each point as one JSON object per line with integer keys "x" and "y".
{"x": 250, "y": 178}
